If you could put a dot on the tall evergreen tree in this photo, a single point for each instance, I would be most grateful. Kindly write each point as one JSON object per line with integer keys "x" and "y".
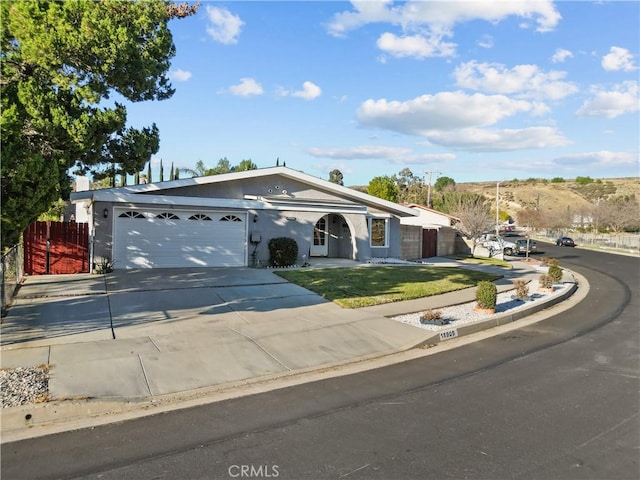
{"x": 59, "y": 62}
{"x": 335, "y": 176}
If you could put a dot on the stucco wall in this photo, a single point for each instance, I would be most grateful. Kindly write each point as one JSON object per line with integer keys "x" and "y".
{"x": 348, "y": 233}
{"x": 427, "y": 218}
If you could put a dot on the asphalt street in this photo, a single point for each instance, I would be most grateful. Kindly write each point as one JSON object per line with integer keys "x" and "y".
{"x": 556, "y": 399}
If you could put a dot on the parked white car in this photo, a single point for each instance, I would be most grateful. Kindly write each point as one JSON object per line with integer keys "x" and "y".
{"x": 495, "y": 243}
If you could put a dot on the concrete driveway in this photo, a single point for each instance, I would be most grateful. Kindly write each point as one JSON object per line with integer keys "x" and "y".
{"x": 141, "y": 333}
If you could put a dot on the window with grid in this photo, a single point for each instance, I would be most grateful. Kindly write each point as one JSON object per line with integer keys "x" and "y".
{"x": 378, "y": 232}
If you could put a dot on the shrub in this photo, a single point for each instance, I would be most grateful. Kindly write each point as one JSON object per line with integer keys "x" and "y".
{"x": 486, "y": 295}
{"x": 555, "y": 272}
{"x": 545, "y": 281}
{"x": 552, "y": 261}
{"x": 522, "y": 288}
{"x": 283, "y": 252}
{"x": 557, "y": 180}
{"x": 432, "y": 314}
{"x": 584, "y": 180}
{"x": 103, "y": 265}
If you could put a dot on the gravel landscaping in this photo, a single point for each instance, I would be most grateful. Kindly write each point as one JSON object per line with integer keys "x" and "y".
{"x": 23, "y": 385}
{"x": 465, "y": 313}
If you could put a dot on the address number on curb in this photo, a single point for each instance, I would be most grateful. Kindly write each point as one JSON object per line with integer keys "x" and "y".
{"x": 448, "y": 334}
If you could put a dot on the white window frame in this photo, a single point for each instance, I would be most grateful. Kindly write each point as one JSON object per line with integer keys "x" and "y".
{"x": 386, "y": 231}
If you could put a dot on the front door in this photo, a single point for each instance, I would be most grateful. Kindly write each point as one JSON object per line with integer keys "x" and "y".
{"x": 320, "y": 245}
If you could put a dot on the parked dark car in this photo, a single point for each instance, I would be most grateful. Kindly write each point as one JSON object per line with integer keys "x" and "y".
{"x": 565, "y": 242}
{"x": 521, "y": 247}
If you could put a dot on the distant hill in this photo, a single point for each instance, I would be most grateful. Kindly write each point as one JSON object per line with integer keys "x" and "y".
{"x": 553, "y": 197}
{"x": 556, "y": 197}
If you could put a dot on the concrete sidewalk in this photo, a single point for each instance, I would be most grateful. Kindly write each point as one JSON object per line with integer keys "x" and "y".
{"x": 135, "y": 336}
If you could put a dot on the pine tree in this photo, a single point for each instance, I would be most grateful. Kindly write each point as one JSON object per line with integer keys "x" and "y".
{"x": 60, "y": 62}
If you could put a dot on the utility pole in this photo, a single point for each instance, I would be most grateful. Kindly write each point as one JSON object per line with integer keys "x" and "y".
{"x": 429, "y": 187}
{"x": 497, "y": 208}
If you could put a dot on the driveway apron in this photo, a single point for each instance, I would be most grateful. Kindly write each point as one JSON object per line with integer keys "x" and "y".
{"x": 141, "y": 333}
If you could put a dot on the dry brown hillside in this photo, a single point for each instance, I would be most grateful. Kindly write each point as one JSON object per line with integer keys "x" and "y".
{"x": 553, "y": 197}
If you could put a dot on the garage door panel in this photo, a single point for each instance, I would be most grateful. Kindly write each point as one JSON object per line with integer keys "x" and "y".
{"x": 152, "y": 242}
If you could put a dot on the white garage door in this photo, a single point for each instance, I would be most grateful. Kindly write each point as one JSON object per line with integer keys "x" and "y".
{"x": 170, "y": 239}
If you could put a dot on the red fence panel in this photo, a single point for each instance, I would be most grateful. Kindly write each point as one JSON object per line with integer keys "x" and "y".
{"x": 56, "y": 248}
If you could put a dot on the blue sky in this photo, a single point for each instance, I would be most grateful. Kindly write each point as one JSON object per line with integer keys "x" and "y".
{"x": 476, "y": 91}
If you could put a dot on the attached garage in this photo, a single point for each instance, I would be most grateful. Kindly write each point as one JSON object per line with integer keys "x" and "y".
{"x": 146, "y": 238}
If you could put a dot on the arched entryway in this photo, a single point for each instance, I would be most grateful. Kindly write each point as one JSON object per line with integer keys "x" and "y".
{"x": 332, "y": 237}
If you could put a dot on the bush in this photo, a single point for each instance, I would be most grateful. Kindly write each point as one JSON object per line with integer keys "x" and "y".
{"x": 584, "y": 180}
{"x": 555, "y": 272}
{"x": 486, "y": 295}
{"x": 557, "y": 180}
{"x": 103, "y": 265}
{"x": 432, "y": 314}
{"x": 283, "y": 252}
{"x": 545, "y": 281}
{"x": 522, "y": 288}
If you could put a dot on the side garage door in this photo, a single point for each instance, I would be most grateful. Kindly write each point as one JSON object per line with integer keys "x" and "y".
{"x": 170, "y": 239}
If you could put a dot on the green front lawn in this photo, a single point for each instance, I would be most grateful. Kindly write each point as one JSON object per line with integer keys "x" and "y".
{"x": 366, "y": 286}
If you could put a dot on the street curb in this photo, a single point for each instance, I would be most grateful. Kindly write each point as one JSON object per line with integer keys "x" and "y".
{"x": 34, "y": 420}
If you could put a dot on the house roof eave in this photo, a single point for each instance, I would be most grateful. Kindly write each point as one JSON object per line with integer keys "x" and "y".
{"x": 324, "y": 185}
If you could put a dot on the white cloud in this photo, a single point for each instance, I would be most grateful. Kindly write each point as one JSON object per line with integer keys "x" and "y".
{"x": 612, "y": 103}
{"x": 601, "y": 159}
{"x": 358, "y": 153}
{"x": 443, "y": 111}
{"x": 396, "y": 155}
{"x": 416, "y": 46}
{"x": 432, "y": 21}
{"x": 224, "y": 26}
{"x": 309, "y": 91}
{"x": 486, "y": 140}
{"x": 329, "y": 167}
{"x": 561, "y": 55}
{"x": 246, "y": 87}
{"x": 416, "y": 13}
{"x": 618, "y": 59}
{"x": 525, "y": 80}
{"x": 179, "y": 75}
{"x": 486, "y": 41}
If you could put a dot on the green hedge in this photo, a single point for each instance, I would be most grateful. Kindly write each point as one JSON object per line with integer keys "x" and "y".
{"x": 283, "y": 252}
